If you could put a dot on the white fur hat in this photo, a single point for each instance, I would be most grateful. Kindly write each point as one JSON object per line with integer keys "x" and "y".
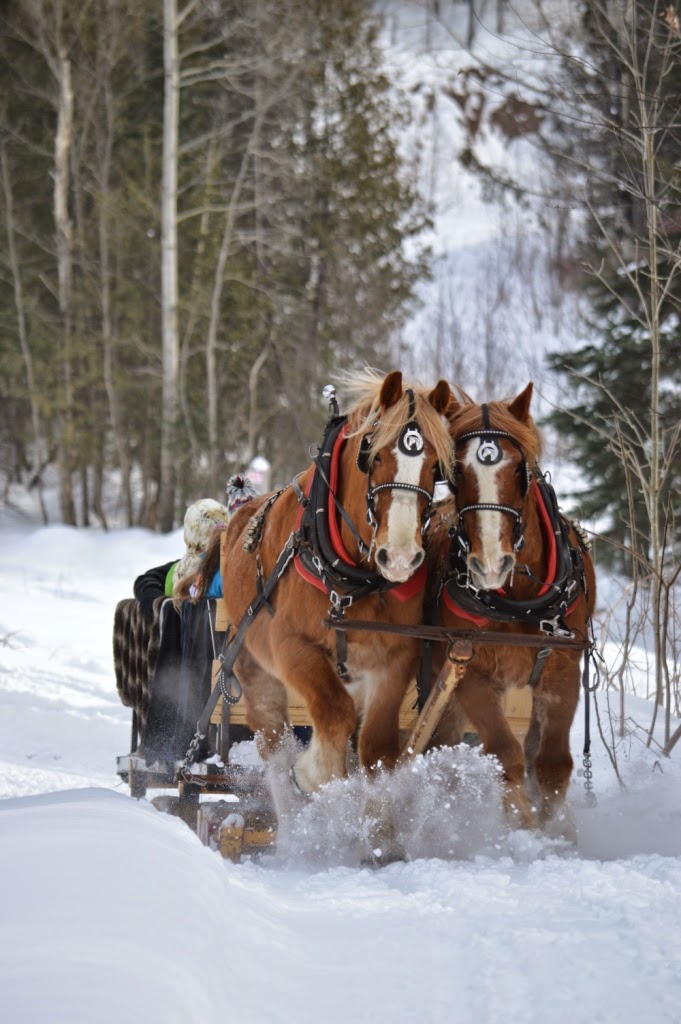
{"x": 199, "y": 523}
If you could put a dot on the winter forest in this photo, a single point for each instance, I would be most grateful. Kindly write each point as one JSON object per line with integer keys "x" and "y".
{"x": 207, "y": 210}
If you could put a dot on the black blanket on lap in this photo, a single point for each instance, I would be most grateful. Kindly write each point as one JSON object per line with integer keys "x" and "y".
{"x": 135, "y": 652}
{"x": 163, "y": 671}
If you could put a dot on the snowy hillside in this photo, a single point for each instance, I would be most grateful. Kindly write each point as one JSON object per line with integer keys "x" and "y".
{"x": 496, "y": 304}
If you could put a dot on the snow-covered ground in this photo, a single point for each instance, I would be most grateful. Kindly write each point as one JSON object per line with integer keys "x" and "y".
{"x": 112, "y": 911}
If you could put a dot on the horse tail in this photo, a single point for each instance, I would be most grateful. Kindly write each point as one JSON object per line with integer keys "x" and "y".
{"x": 193, "y": 587}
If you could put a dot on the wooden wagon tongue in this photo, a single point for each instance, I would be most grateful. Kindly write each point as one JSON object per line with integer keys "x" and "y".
{"x": 459, "y": 654}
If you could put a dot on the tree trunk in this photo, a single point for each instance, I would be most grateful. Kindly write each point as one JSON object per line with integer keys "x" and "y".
{"x": 193, "y": 305}
{"x": 40, "y": 449}
{"x": 64, "y": 233}
{"x": 170, "y": 350}
{"x": 215, "y": 301}
{"x": 108, "y": 356}
{"x": 253, "y": 417}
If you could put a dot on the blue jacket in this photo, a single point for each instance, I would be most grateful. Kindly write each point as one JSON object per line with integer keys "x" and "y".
{"x": 215, "y": 588}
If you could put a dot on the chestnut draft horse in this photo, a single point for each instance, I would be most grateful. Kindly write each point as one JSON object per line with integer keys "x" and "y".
{"x": 354, "y": 525}
{"x": 512, "y": 564}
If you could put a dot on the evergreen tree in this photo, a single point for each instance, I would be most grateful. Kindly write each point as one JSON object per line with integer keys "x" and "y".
{"x": 608, "y": 395}
{"x": 355, "y": 207}
{"x": 622, "y": 405}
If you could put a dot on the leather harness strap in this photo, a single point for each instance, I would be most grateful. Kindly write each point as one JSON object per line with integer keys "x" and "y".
{"x": 322, "y": 559}
{"x": 557, "y": 594}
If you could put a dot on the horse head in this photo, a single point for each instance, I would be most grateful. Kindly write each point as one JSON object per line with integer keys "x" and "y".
{"x": 495, "y": 446}
{"x": 402, "y": 446}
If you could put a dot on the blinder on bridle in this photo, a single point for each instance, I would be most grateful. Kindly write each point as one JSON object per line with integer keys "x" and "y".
{"x": 490, "y": 453}
{"x": 410, "y": 442}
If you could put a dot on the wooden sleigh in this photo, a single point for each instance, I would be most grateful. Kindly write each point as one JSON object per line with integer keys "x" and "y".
{"x": 228, "y": 804}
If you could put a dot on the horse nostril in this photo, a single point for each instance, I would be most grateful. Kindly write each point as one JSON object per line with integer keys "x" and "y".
{"x": 476, "y": 565}
{"x": 507, "y": 563}
{"x": 417, "y": 559}
{"x": 504, "y": 566}
{"x": 382, "y": 557}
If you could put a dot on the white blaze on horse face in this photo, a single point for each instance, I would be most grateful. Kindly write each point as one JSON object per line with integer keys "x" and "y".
{"x": 402, "y": 545}
{"x": 491, "y": 551}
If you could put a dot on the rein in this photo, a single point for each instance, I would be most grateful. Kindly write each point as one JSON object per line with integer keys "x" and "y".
{"x": 229, "y": 687}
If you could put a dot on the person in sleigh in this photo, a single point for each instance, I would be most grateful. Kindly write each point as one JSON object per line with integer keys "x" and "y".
{"x": 200, "y": 520}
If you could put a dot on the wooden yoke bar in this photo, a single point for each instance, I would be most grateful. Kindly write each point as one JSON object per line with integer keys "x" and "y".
{"x": 459, "y": 654}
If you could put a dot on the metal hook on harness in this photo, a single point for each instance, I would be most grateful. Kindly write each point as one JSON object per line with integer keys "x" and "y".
{"x": 230, "y": 687}
{"x": 339, "y": 602}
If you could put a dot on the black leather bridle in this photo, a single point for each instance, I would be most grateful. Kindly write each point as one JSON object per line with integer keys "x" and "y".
{"x": 410, "y": 433}
{"x": 488, "y": 442}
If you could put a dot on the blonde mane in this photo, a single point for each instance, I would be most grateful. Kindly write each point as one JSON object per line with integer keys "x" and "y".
{"x": 468, "y": 418}
{"x": 365, "y": 417}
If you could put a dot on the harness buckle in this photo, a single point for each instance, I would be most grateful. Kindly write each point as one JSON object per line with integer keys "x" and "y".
{"x": 317, "y": 563}
{"x": 339, "y": 602}
{"x": 556, "y": 627}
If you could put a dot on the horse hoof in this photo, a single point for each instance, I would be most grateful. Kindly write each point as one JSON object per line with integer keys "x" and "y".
{"x": 519, "y": 814}
{"x": 561, "y": 825}
{"x": 380, "y": 858}
{"x": 295, "y": 786}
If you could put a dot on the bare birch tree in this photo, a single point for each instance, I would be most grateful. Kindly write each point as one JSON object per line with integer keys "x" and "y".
{"x": 170, "y": 347}
{"x": 40, "y": 448}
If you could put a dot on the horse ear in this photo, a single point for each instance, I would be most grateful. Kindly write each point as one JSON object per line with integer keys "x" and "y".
{"x": 453, "y": 408}
{"x": 391, "y": 389}
{"x": 440, "y": 397}
{"x": 520, "y": 406}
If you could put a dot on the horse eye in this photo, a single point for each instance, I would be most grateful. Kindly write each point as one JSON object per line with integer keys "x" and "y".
{"x": 377, "y": 458}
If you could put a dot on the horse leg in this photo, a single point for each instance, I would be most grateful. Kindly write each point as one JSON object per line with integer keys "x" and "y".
{"x": 480, "y": 700}
{"x": 554, "y": 705}
{"x": 379, "y": 748}
{"x": 266, "y": 703}
{"x": 305, "y": 668}
{"x": 379, "y": 733}
{"x": 531, "y": 748}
